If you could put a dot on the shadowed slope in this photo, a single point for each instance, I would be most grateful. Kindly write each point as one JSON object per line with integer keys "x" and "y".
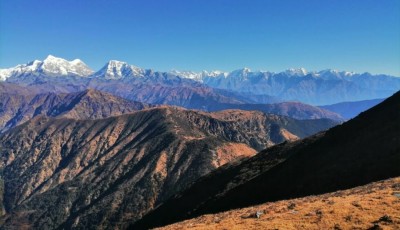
{"x": 360, "y": 151}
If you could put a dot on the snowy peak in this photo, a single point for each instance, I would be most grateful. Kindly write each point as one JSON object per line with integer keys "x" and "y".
{"x": 60, "y": 67}
{"x": 51, "y": 58}
{"x": 242, "y": 74}
{"x": 188, "y": 74}
{"x": 215, "y": 73}
{"x": 116, "y": 70}
{"x": 199, "y": 76}
{"x": 51, "y": 66}
{"x": 296, "y": 72}
{"x": 332, "y": 74}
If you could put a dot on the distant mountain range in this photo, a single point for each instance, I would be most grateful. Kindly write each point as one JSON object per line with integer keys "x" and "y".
{"x": 317, "y": 88}
{"x": 362, "y": 150}
{"x": 239, "y": 86}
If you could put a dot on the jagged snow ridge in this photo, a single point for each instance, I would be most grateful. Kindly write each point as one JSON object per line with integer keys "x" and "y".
{"x": 51, "y": 66}
{"x": 117, "y": 70}
{"x": 58, "y": 66}
{"x": 246, "y": 73}
{"x": 54, "y": 66}
{"x": 199, "y": 76}
{"x": 296, "y": 72}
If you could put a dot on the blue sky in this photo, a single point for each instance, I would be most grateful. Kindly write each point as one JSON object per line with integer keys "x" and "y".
{"x": 356, "y": 35}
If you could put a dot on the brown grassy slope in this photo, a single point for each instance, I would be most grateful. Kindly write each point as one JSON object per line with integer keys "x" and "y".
{"x": 373, "y": 206}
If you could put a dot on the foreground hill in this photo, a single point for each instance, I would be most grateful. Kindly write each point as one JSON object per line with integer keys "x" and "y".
{"x": 372, "y": 206}
{"x": 360, "y": 151}
{"x": 19, "y": 104}
{"x": 68, "y": 173}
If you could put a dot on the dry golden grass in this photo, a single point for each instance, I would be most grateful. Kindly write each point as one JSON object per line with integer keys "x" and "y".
{"x": 373, "y": 206}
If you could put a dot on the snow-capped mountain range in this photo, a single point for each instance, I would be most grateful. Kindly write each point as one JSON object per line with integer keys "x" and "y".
{"x": 55, "y": 66}
{"x": 313, "y": 87}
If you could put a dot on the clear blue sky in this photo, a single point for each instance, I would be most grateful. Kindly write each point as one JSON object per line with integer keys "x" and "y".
{"x": 354, "y": 35}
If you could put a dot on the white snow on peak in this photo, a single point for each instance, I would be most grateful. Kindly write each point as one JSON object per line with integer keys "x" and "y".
{"x": 215, "y": 73}
{"x": 199, "y": 76}
{"x": 51, "y": 66}
{"x": 57, "y": 66}
{"x": 349, "y": 73}
{"x": 244, "y": 70}
{"x": 188, "y": 74}
{"x": 240, "y": 73}
{"x": 4, "y": 74}
{"x": 296, "y": 72}
{"x": 332, "y": 74}
{"x": 117, "y": 69}
{"x": 53, "y": 58}
{"x": 76, "y": 61}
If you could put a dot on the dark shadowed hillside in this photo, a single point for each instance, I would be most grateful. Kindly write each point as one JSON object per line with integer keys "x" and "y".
{"x": 363, "y": 150}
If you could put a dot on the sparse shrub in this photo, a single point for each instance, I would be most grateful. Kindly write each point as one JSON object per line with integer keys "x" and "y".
{"x": 386, "y": 219}
{"x": 396, "y": 186}
{"x": 356, "y": 204}
{"x": 291, "y": 206}
{"x": 309, "y": 214}
{"x": 347, "y": 218}
{"x": 375, "y": 227}
{"x": 337, "y": 227}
